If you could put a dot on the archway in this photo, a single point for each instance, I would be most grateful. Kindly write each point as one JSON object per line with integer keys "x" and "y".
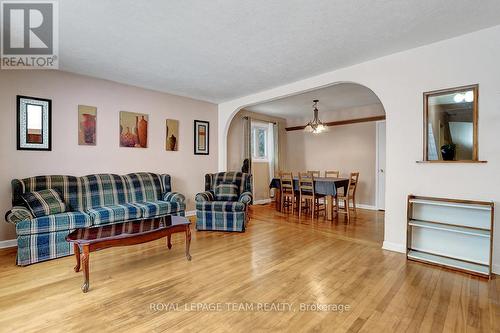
{"x": 353, "y": 106}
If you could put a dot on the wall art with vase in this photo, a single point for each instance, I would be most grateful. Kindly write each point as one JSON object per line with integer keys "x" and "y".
{"x": 133, "y": 130}
{"x": 172, "y": 137}
{"x": 87, "y": 122}
{"x": 201, "y": 137}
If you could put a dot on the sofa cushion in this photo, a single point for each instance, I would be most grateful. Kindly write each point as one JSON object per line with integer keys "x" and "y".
{"x": 52, "y": 223}
{"x": 226, "y": 192}
{"x": 158, "y": 208}
{"x": 221, "y": 206}
{"x": 45, "y": 202}
{"x": 114, "y": 213}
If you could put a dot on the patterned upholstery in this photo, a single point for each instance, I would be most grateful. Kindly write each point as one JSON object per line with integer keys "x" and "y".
{"x": 104, "y": 190}
{"x": 221, "y": 206}
{"x": 246, "y": 198}
{"x": 34, "y": 248}
{"x": 224, "y": 215}
{"x": 220, "y": 221}
{"x": 174, "y": 197}
{"x": 44, "y": 202}
{"x": 157, "y": 208}
{"x": 144, "y": 186}
{"x": 18, "y": 214}
{"x": 226, "y": 192}
{"x": 114, "y": 213}
{"x": 90, "y": 200}
{"x": 205, "y": 196}
{"x": 55, "y": 222}
{"x": 68, "y": 186}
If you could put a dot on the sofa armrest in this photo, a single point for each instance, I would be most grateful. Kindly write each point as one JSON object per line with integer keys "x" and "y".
{"x": 174, "y": 197}
{"x": 205, "y": 196}
{"x": 18, "y": 214}
{"x": 246, "y": 198}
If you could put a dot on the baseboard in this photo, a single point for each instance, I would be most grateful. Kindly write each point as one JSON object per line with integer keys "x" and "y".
{"x": 395, "y": 247}
{"x": 190, "y": 213}
{"x": 361, "y": 206}
{"x": 8, "y": 243}
{"x": 262, "y": 202}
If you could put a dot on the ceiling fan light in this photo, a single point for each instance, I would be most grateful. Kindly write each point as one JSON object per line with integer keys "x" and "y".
{"x": 309, "y": 128}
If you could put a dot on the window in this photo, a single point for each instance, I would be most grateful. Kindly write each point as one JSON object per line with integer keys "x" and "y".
{"x": 260, "y": 141}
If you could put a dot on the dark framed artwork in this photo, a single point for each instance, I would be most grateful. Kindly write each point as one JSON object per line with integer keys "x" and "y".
{"x": 201, "y": 137}
{"x": 34, "y": 123}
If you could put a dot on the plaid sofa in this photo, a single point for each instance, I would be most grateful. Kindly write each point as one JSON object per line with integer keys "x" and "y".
{"x": 92, "y": 200}
{"x": 224, "y": 215}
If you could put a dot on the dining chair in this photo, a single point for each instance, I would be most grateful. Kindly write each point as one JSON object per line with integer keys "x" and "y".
{"x": 348, "y": 196}
{"x": 308, "y": 195}
{"x": 287, "y": 192}
{"x": 332, "y": 174}
{"x": 315, "y": 173}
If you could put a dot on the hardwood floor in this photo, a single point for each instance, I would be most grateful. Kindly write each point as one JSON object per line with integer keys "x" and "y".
{"x": 279, "y": 259}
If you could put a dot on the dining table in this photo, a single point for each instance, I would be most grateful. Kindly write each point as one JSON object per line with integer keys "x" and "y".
{"x": 327, "y": 186}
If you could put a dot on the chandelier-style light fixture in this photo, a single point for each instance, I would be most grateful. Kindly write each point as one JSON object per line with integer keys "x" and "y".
{"x": 316, "y": 126}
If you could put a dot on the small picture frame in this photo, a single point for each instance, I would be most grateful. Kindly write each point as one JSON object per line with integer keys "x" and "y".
{"x": 34, "y": 123}
{"x": 201, "y": 137}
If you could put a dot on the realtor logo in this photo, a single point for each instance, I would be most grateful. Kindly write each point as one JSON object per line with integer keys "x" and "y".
{"x": 29, "y": 33}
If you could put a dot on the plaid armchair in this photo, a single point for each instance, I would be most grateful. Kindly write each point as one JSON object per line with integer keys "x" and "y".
{"x": 228, "y": 214}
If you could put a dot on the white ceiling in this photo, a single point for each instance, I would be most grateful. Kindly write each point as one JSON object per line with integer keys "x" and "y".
{"x": 218, "y": 50}
{"x": 332, "y": 98}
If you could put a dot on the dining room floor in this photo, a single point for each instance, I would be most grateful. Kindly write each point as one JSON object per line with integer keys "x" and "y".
{"x": 320, "y": 275}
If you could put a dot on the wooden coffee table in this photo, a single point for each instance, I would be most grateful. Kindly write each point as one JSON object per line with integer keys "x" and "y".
{"x": 125, "y": 233}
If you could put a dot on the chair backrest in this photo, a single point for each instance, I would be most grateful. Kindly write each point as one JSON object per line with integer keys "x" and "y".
{"x": 286, "y": 182}
{"x": 314, "y": 173}
{"x": 353, "y": 183}
{"x": 306, "y": 183}
{"x": 332, "y": 174}
{"x": 242, "y": 180}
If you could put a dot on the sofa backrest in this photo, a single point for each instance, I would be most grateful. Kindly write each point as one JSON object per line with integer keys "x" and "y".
{"x": 69, "y": 187}
{"x": 96, "y": 190}
{"x": 145, "y": 186}
{"x": 104, "y": 190}
{"x": 242, "y": 180}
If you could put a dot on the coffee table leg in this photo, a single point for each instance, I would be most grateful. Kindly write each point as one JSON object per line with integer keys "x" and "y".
{"x": 188, "y": 242}
{"x": 85, "y": 261}
{"x": 77, "y": 256}
{"x": 169, "y": 241}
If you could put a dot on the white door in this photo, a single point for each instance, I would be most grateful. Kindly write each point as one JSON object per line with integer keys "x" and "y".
{"x": 381, "y": 165}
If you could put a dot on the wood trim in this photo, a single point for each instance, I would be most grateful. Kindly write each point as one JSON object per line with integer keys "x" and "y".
{"x": 475, "y": 116}
{"x": 458, "y": 162}
{"x": 458, "y": 201}
{"x": 341, "y": 122}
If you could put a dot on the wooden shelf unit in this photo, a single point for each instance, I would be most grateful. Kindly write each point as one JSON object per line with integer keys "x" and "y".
{"x": 457, "y": 234}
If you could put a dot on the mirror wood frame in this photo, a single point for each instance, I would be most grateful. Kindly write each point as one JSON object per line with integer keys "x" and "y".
{"x": 18, "y": 123}
{"x": 475, "y": 117}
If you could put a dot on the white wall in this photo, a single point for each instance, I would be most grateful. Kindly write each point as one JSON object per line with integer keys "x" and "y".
{"x": 399, "y": 81}
{"x": 67, "y": 157}
{"x": 346, "y": 148}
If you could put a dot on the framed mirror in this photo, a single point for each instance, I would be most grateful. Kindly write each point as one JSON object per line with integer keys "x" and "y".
{"x": 450, "y": 125}
{"x": 34, "y": 130}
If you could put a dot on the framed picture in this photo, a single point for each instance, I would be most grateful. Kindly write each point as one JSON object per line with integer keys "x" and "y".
{"x": 87, "y": 121}
{"x": 34, "y": 121}
{"x": 201, "y": 137}
{"x": 133, "y": 130}
{"x": 172, "y": 136}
